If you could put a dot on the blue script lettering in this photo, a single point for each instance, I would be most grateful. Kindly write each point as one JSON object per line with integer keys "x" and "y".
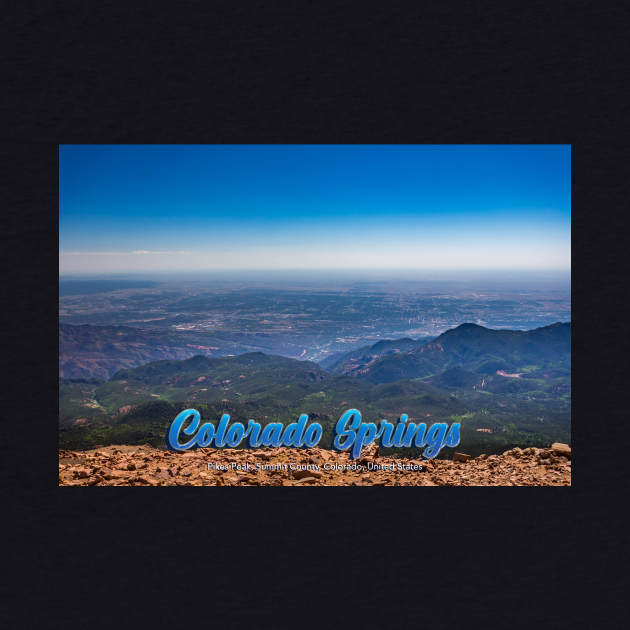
{"x": 274, "y": 433}
{"x": 351, "y": 434}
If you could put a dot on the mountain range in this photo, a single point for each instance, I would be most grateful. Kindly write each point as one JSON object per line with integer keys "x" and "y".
{"x": 89, "y": 351}
{"x": 507, "y": 388}
{"x": 468, "y": 347}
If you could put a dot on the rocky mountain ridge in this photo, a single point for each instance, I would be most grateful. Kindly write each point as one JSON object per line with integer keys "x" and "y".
{"x": 477, "y": 349}
{"x": 148, "y": 466}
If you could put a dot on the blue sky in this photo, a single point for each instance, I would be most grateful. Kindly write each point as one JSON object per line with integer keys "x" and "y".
{"x": 158, "y": 208}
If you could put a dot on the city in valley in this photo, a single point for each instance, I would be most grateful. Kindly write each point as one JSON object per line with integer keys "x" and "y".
{"x": 491, "y": 352}
{"x": 299, "y": 316}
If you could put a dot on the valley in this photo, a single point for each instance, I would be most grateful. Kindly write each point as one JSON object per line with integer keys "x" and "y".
{"x": 107, "y": 325}
{"x": 459, "y": 376}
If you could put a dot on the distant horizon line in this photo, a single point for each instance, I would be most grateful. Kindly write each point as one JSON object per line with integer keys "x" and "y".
{"x": 321, "y": 270}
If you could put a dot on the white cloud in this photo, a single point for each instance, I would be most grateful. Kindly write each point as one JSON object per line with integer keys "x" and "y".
{"x": 135, "y": 252}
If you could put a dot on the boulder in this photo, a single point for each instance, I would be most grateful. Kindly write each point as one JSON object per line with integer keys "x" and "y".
{"x": 303, "y": 474}
{"x": 561, "y": 449}
{"x": 309, "y": 479}
{"x": 461, "y": 457}
{"x": 371, "y": 451}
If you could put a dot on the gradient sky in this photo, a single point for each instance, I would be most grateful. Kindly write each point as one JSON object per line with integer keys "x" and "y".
{"x": 158, "y": 208}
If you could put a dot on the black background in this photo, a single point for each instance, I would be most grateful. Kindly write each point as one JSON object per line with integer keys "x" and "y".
{"x": 215, "y": 72}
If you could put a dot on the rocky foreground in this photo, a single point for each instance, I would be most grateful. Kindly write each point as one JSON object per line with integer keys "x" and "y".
{"x": 148, "y": 466}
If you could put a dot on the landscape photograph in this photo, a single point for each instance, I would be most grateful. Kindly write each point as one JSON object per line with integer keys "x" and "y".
{"x": 270, "y": 281}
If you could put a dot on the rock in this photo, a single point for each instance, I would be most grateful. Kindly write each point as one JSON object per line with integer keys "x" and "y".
{"x": 306, "y": 480}
{"x": 131, "y": 466}
{"x": 460, "y": 457}
{"x": 144, "y": 479}
{"x": 561, "y": 449}
{"x": 302, "y": 474}
{"x": 371, "y": 451}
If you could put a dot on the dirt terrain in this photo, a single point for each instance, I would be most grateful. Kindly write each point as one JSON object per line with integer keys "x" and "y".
{"x": 148, "y": 466}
